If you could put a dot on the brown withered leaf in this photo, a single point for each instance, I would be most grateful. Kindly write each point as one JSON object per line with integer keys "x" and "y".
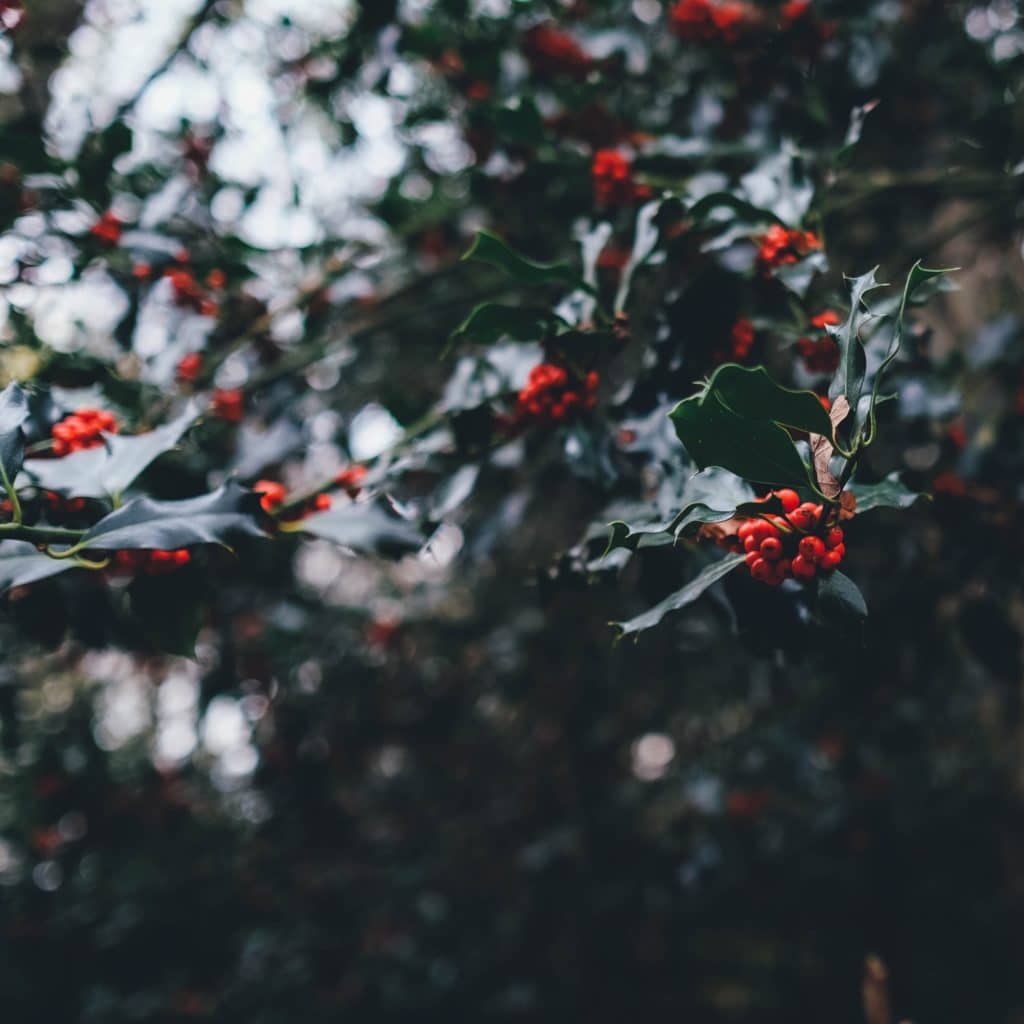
{"x": 847, "y": 506}
{"x": 822, "y": 448}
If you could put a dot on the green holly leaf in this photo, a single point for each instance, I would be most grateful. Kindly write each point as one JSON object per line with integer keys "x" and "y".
{"x": 22, "y": 563}
{"x": 492, "y": 321}
{"x": 711, "y": 496}
{"x": 488, "y": 248}
{"x": 750, "y": 392}
{"x": 739, "y": 423}
{"x": 888, "y": 493}
{"x": 107, "y": 471}
{"x": 849, "y": 376}
{"x": 682, "y": 597}
{"x": 13, "y": 413}
{"x": 369, "y": 527}
{"x": 167, "y": 525}
{"x": 918, "y": 276}
{"x": 839, "y": 594}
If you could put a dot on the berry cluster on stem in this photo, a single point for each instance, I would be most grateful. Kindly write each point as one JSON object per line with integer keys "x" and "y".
{"x": 552, "y": 395}
{"x": 82, "y": 429}
{"x": 800, "y": 544}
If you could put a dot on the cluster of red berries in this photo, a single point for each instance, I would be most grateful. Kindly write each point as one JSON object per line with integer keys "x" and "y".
{"x": 153, "y": 563}
{"x": 82, "y": 429}
{"x": 799, "y": 543}
{"x": 108, "y": 229}
{"x": 229, "y": 405}
{"x": 729, "y": 21}
{"x": 780, "y": 246}
{"x": 708, "y": 21}
{"x": 551, "y": 52}
{"x": 551, "y": 396}
{"x": 821, "y": 354}
{"x": 614, "y": 184}
{"x": 274, "y": 494}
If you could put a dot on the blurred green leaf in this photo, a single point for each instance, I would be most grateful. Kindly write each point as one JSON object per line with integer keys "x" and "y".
{"x": 682, "y": 597}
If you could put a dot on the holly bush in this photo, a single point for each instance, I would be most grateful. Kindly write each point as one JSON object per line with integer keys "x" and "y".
{"x": 511, "y": 508}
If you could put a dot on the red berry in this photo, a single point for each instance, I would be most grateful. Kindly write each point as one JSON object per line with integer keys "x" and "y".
{"x": 834, "y": 537}
{"x": 803, "y": 567}
{"x": 831, "y": 560}
{"x": 771, "y": 549}
{"x": 789, "y": 498}
{"x": 812, "y": 548}
{"x": 760, "y": 570}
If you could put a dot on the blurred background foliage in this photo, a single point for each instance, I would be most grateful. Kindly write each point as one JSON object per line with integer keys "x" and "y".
{"x": 435, "y": 787}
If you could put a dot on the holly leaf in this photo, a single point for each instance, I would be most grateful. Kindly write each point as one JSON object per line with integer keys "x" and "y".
{"x": 491, "y": 321}
{"x": 849, "y": 376}
{"x": 888, "y": 493}
{"x": 22, "y": 563}
{"x": 488, "y": 248}
{"x": 13, "y": 413}
{"x": 167, "y": 525}
{"x": 109, "y": 470}
{"x": 750, "y": 392}
{"x": 838, "y": 593}
{"x": 682, "y": 597}
{"x": 918, "y": 276}
{"x": 369, "y": 527}
{"x": 737, "y": 423}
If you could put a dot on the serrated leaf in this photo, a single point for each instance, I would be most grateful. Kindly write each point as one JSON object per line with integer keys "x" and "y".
{"x": 751, "y": 393}
{"x": 371, "y": 527}
{"x": 491, "y": 321}
{"x": 488, "y": 248}
{"x": 759, "y": 450}
{"x": 22, "y": 563}
{"x": 166, "y": 525}
{"x": 888, "y": 493}
{"x": 849, "y": 376}
{"x": 13, "y": 413}
{"x": 682, "y": 597}
{"x": 711, "y": 496}
{"x": 109, "y": 470}
{"x": 838, "y": 593}
{"x": 918, "y": 275}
